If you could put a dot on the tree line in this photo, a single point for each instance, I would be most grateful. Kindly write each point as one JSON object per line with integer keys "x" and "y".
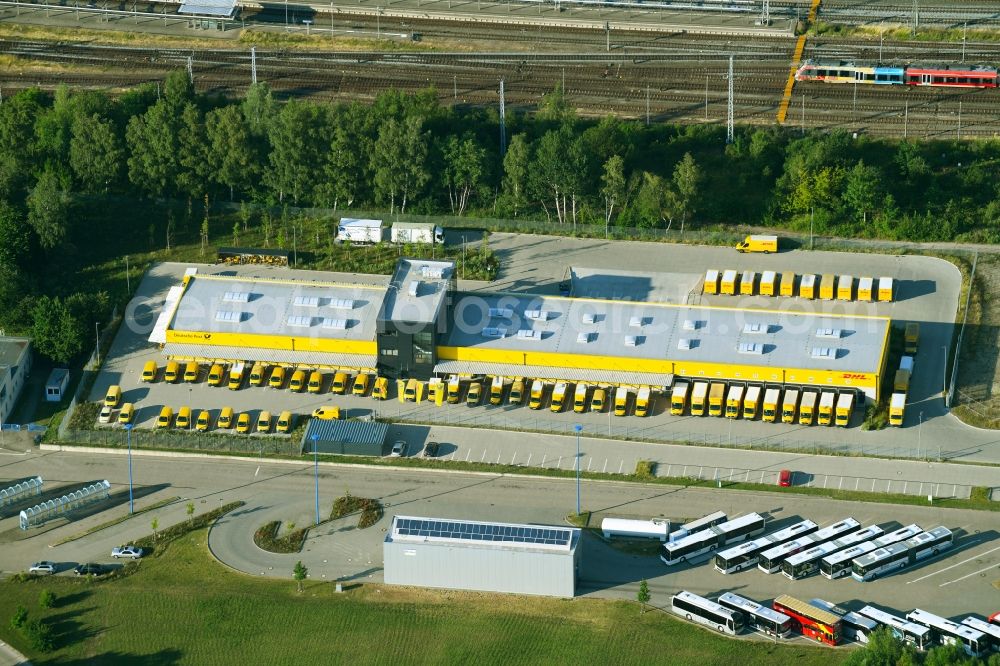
{"x": 408, "y": 153}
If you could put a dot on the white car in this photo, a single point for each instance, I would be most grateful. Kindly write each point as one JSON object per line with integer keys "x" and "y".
{"x": 105, "y": 415}
{"x": 133, "y": 552}
{"x": 42, "y": 568}
{"x": 398, "y": 449}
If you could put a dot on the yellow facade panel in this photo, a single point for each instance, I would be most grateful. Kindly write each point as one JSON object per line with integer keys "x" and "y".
{"x": 278, "y": 342}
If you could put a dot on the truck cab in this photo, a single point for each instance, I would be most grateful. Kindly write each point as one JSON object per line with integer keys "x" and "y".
{"x": 643, "y": 399}
{"x": 598, "y": 400}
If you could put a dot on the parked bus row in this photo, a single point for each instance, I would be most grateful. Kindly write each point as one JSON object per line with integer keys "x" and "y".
{"x": 828, "y": 623}
{"x": 735, "y": 400}
{"x": 826, "y": 287}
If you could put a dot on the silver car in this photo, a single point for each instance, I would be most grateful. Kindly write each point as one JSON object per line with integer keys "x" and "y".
{"x": 133, "y": 552}
{"x": 398, "y": 449}
{"x": 42, "y": 568}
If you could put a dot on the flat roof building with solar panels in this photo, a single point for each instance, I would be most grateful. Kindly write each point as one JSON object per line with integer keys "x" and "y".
{"x": 482, "y": 556}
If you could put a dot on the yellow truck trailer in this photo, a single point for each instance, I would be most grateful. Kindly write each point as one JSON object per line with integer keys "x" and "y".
{"x": 827, "y": 287}
{"x": 643, "y": 401}
{"x": 901, "y": 382}
{"x": 747, "y": 283}
{"x": 865, "y": 289}
{"x": 772, "y": 396}
{"x": 751, "y": 402}
{"x": 711, "y": 281}
{"x": 728, "y": 284}
{"x": 734, "y": 401}
{"x": 827, "y": 404}
{"x": 845, "y": 405}
{"x": 897, "y": 405}
{"x": 807, "y": 286}
{"x": 768, "y": 279}
{"x": 885, "y": 289}
{"x": 807, "y": 407}
{"x": 845, "y": 288}
{"x": 790, "y": 406}
{"x": 716, "y": 398}
{"x": 699, "y": 396}
{"x": 787, "y": 286}
{"x": 758, "y": 243}
{"x": 678, "y": 398}
{"x": 911, "y": 338}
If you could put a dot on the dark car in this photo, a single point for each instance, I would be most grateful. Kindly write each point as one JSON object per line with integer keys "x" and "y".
{"x": 431, "y": 450}
{"x": 785, "y": 478}
{"x": 89, "y": 569}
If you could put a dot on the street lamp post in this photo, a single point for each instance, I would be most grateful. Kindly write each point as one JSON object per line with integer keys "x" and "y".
{"x": 316, "y": 473}
{"x": 577, "y": 428}
{"x": 920, "y": 428}
{"x": 128, "y": 436}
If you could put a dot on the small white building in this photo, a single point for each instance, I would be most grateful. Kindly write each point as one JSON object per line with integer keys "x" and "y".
{"x": 489, "y": 557}
{"x": 15, "y": 364}
{"x": 55, "y": 385}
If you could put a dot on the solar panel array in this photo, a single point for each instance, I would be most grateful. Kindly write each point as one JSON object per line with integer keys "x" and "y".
{"x": 482, "y": 532}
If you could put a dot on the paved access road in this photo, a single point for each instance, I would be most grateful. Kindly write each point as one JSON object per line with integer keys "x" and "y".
{"x": 954, "y": 584}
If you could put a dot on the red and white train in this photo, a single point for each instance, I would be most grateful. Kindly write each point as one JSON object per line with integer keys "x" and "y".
{"x": 946, "y": 76}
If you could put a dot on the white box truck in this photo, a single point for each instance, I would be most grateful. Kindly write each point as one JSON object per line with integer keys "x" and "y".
{"x": 417, "y": 232}
{"x": 360, "y": 232}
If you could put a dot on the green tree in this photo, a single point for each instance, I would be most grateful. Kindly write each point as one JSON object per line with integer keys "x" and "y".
{"x": 347, "y": 164}
{"x": 399, "y": 161}
{"x": 19, "y": 618}
{"x": 516, "y": 172}
{"x": 56, "y": 332}
{"x": 299, "y": 573}
{"x": 154, "y": 149}
{"x": 47, "y": 599}
{"x": 862, "y": 188}
{"x": 259, "y": 109}
{"x": 155, "y": 524}
{"x": 555, "y": 107}
{"x": 882, "y": 649}
{"x": 96, "y": 154}
{"x": 464, "y": 168}
{"x": 642, "y": 596}
{"x": 653, "y": 200}
{"x": 189, "y": 508}
{"x": 687, "y": 180}
{"x": 195, "y": 171}
{"x": 15, "y": 237}
{"x": 18, "y": 114}
{"x": 552, "y": 169}
{"x": 612, "y": 187}
{"x": 48, "y": 208}
{"x": 298, "y": 138}
{"x": 233, "y": 161}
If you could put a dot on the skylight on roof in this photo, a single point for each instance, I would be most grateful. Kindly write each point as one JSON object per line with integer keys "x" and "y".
{"x": 307, "y": 301}
{"x": 300, "y": 321}
{"x": 236, "y": 297}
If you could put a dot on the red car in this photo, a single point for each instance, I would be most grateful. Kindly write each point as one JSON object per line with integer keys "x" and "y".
{"x": 785, "y": 478}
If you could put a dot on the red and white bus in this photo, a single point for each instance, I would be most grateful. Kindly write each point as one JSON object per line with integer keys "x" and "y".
{"x": 813, "y": 622}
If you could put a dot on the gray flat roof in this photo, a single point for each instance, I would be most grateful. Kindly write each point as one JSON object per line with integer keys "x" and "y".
{"x": 11, "y": 350}
{"x": 417, "y": 290}
{"x": 618, "y": 285}
{"x": 656, "y": 331}
{"x": 279, "y": 307}
{"x": 218, "y": 8}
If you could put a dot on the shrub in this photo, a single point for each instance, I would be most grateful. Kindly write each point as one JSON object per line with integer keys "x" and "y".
{"x": 19, "y": 617}
{"x": 39, "y": 635}
{"x": 47, "y": 599}
{"x": 370, "y": 509}
{"x": 980, "y": 494}
{"x": 266, "y": 538}
{"x": 371, "y": 514}
{"x": 645, "y": 469}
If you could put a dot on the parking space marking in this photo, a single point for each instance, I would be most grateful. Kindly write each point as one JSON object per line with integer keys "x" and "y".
{"x": 992, "y": 566}
{"x": 934, "y": 573}
{"x": 605, "y": 466}
{"x": 621, "y": 466}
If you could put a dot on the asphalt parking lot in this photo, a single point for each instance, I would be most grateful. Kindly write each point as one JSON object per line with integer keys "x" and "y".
{"x": 928, "y": 290}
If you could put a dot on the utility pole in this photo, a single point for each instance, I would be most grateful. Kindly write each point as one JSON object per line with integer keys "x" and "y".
{"x": 454, "y": 87}
{"x": 803, "y": 114}
{"x": 191, "y": 69}
{"x": 916, "y": 16}
{"x": 706, "y": 97}
{"x": 765, "y": 13}
{"x": 965, "y": 29}
{"x": 647, "y": 105}
{"x": 253, "y": 65}
{"x": 960, "y": 121}
{"x": 881, "y": 40}
{"x": 97, "y": 352}
{"x": 503, "y": 123}
{"x": 730, "y": 116}
{"x": 906, "y": 116}
{"x": 854, "y": 107}
{"x": 607, "y": 36}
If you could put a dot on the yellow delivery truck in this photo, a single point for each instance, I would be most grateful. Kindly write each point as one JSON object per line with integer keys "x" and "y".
{"x": 845, "y": 405}
{"x": 807, "y": 407}
{"x": 911, "y": 338}
{"x": 734, "y": 401}
{"x": 747, "y": 281}
{"x": 711, "y": 281}
{"x": 716, "y": 398}
{"x": 885, "y": 289}
{"x": 827, "y": 287}
{"x": 827, "y": 403}
{"x": 678, "y": 398}
{"x": 767, "y": 283}
{"x": 807, "y": 286}
{"x": 865, "y": 289}
{"x": 787, "y": 287}
{"x": 790, "y": 406}
{"x": 897, "y": 405}
{"x": 758, "y": 243}
{"x": 771, "y": 404}
{"x": 728, "y": 286}
{"x": 643, "y": 400}
{"x": 699, "y": 396}
{"x": 751, "y": 401}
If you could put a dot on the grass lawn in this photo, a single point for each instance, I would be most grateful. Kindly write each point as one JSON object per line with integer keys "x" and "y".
{"x": 183, "y": 607}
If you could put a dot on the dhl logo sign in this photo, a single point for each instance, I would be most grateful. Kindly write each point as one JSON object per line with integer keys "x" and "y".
{"x": 854, "y": 375}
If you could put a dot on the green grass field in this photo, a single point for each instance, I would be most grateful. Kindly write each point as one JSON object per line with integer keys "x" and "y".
{"x": 182, "y": 607}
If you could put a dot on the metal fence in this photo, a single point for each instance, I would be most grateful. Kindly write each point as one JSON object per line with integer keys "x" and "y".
{"x": 114, "y": 437}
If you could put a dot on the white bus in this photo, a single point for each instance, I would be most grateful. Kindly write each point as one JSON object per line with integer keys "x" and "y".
{"x": 746, "y": 554}
{"x": 990, "y": 630}
{"x": 912, "y": 633}
{"x": 806, "y": 563}
{"x": 839, "y": 564}
{"x": 852, "y": 625}
{"x": 703, "y": 523}
{"x": 703, "y": 611}
{"x": 705, "y": 541}
{"x": 976, "y": 643}
{"x": 899, "y": 556}
{"x": 761, "y": 618}
{"x": 770, "y": 560}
